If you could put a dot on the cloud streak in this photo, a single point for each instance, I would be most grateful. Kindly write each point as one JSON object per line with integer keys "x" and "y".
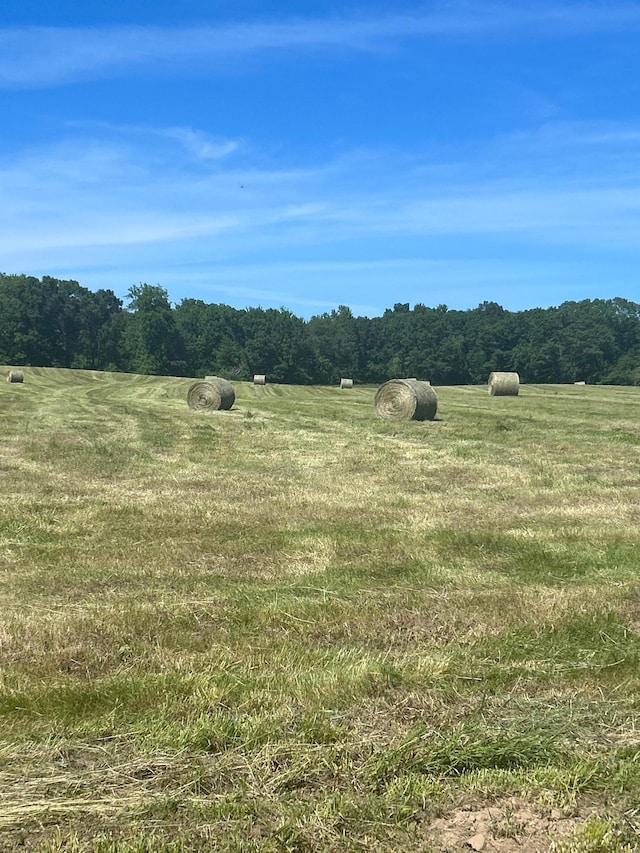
{"x": 42, "y": 57}
{"x": 88, "y": 192}
{"x": 139, "y": 207}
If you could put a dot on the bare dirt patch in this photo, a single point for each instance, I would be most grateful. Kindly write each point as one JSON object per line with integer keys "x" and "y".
{"x": 505, "y": 826}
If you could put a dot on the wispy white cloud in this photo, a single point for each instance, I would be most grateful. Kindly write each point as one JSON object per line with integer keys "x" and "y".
{"x": 201, "y": 145}
{"x": 563, "y": 134}
{"x": 47, "y": 56}
{"x": 371, "y": 284}
{"x": 132, "y": 209}
{"x": 89, "y": 192}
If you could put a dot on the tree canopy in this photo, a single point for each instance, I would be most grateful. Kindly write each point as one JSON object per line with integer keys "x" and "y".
{"x": 57, "y": 323}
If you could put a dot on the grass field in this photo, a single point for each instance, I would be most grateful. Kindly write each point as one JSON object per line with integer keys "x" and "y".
{"x": 296, "y": 627}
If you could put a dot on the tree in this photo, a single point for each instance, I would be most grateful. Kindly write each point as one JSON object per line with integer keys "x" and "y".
{"x": 334, "y": 340}
{"x": 152, "y": 339}
{"x": 58, "y": 323}
{"x": 99, "y": 344}
{"x": 41, "y": 321}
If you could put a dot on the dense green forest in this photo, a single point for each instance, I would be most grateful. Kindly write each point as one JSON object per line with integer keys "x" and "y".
{"x": 55, "y": 323}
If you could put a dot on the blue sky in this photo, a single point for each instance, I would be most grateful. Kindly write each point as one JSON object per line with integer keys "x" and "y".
{"x": 307, "y": 155}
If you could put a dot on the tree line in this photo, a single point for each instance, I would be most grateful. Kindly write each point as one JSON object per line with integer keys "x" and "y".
{"x": 55, "y": 323}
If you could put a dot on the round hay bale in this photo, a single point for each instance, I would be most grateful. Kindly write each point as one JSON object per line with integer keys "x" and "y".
{"x": 346, "y": 383}
{"x": 15, "y": 376}
{"x": 215, "y": 393}
{"x": 503, "y": 384}
{"x": 406, "y": 398}
{"x": 259, "y": 379}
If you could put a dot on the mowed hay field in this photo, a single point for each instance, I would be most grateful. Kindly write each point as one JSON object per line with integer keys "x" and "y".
{"x": 294, "y": 626}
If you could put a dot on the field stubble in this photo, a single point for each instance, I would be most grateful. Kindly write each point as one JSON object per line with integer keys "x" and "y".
{"x": 295, "y": 627}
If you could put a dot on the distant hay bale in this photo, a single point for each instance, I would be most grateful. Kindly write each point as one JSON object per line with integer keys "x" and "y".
{"x": 406, "y": 398}
{"x": 213, "y": 393}
{"x": 259, "y": 379}
{"x": 15, "y": 376}
{"x": 346, "y": 383}
{"x": 504, "y": 384}
{"x": 580, "y": 383}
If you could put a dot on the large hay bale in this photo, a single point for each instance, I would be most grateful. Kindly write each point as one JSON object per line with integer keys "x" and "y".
{"x": 213, "y": 393}
{"x": 15, "y": 376}
{"x": 406, "y": 398}
{"x": 503, "y": 384}
{"x": 580, "y": 383}
{"x": 259, "y": 379}
{"x": 346, "y": 383}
